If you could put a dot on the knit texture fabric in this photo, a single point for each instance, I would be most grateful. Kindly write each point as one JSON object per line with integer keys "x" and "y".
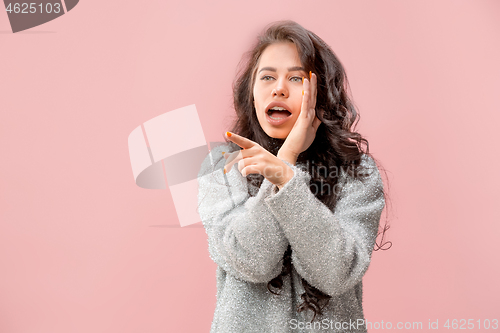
{"x": 248, "y": 235}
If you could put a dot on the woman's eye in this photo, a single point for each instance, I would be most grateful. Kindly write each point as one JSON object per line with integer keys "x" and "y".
{"x": 295, "y": 78}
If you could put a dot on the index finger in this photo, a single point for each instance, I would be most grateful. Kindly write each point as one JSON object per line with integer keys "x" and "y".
{"x": 240, "y": 140}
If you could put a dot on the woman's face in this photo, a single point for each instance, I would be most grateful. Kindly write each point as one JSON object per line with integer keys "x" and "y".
{"x": 278, "y": 83}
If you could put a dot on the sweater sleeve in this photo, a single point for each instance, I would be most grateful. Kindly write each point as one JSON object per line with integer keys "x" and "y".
{"x": 331, "y": 250}
{"x": 244, "y": 237}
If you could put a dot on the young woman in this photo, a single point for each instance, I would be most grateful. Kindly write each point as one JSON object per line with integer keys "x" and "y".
{"x": 291, "y": 203}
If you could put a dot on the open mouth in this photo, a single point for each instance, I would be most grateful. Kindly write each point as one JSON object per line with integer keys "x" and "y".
{"x": 278, "y": 112}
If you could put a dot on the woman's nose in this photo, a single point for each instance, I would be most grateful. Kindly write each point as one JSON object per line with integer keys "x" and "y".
{"x": 280, "y": 90}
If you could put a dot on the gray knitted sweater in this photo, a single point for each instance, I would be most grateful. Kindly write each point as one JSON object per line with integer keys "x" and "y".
{"x": 248, "y": 235}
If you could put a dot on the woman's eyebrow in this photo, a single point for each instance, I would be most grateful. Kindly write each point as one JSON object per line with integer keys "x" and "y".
{"x": 290, "y": 69}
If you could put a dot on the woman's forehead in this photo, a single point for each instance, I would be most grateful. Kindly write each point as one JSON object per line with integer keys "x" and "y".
{"x": 279, "y": 56}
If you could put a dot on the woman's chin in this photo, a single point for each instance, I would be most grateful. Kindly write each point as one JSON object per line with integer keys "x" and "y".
{"x": 277, "y": 134}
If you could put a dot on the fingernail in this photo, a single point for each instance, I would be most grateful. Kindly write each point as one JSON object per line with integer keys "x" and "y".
{"x": 228, "y": 134}
{"x": 223, "y": 152}
{"x": 310, "y": 75}
{"x": 302, "y": 92}
{"x": 224, "y": 170}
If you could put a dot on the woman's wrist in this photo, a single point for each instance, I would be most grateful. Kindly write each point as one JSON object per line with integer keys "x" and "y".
{"x": 284, "y": 154}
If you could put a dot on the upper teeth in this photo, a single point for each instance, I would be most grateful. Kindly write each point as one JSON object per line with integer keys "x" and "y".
{"x": 278, "y": 108}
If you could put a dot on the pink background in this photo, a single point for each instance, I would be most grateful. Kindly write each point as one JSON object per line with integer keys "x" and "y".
{"x": 84, "y": 249}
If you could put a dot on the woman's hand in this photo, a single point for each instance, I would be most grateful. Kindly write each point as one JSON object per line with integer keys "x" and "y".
{"x": 304, "y": 130}
{"x": 253, "y": 158}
